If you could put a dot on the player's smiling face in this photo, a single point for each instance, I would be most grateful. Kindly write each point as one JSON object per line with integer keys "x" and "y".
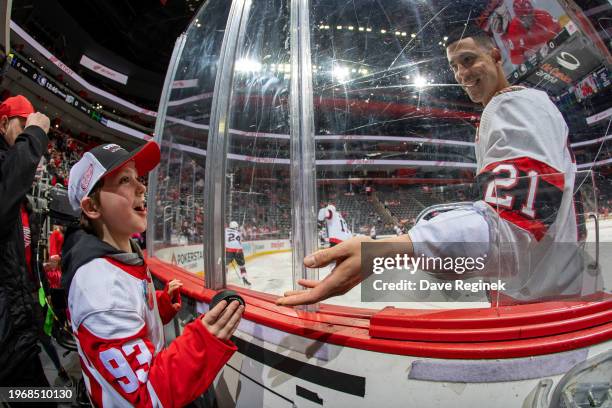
{"x": 475, "y": 69}
{"x": 122, "y": 202}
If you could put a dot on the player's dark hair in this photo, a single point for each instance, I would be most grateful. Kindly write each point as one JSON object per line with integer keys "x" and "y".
{"x": 470, "y": 30}
{"x": 85, "y": 222}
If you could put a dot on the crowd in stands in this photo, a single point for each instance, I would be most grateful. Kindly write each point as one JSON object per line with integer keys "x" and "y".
{"x": 603, "y": 192}
{"x": 62, "y": 152}
{"x": 263, "y": 210}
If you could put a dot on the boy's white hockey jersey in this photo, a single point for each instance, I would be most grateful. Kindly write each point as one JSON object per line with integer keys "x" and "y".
{"x": 117, "y": 319}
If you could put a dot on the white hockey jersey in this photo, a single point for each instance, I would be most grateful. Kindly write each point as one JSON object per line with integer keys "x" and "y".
{"x": 526, "y": 220}
{"x": 117, "y": 319}
{"x": 233, "y": 240}
{"x": 337, "y": 228}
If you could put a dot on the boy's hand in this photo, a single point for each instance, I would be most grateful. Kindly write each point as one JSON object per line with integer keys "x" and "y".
{"x": 175, "y": 296}
{"x": 222, "y": 321}
{"x": 173, "y": 285}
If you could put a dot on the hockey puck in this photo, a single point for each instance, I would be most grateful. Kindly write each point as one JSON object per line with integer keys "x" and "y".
{"x": 227, "y": 295}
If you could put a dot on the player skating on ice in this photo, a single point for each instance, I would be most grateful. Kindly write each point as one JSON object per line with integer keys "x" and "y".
{"x": 398, "y": 230}
{"x": 233, "y": 250}
{"x": 337, "y": 228}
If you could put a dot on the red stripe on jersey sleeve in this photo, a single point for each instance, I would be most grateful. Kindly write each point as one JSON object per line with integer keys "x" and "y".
{"x": 526, "y": 199}
{"x": 95, "y": 390}
{"x": 535, "y": 227}
{"x": 526, "y": 164}
{"x": 165, "y": 307}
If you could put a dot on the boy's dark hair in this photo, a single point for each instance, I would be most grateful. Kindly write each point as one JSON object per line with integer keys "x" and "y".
{"x": 85, "y": 222}
{"x": 472, "y": 30}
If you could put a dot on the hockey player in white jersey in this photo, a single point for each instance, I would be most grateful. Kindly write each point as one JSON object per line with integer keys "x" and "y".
{"x": 337, "y": 228}
{"x": 234, "y": 251}
{"x": 526, "y": 172}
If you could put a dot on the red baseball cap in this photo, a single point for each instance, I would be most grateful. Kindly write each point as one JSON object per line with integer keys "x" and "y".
{"x": 104, "y": 160}
{"x": 16, "y": 106}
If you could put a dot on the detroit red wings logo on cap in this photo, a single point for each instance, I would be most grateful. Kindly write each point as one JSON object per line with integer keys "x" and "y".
{"x": 86, "y": 179}
{"x": 113, "y": 147}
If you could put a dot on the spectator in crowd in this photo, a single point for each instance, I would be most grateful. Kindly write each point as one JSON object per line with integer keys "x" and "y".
{"x": 139, "y": 238}
{"x": 529, "y": 30}
{"x": 53, "y": 275}
{"x": 52, "y": 268}
{"x": 23, "y": 142}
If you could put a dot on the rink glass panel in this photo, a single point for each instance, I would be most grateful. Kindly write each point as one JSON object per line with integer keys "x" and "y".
{"x": 393, "y": 132}
{"x": 179, "y": 200}
{"x": 257, "y": 193}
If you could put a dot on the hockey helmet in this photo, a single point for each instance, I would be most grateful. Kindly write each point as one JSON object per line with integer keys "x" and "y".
{"x": 523, "y": 8}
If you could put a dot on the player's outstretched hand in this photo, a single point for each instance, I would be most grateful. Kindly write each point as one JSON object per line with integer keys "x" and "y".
{"x": 345, "y": 276}
{"x": 222, "y": 321}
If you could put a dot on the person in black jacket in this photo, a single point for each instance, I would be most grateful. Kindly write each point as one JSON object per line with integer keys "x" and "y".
{"x": 23, "y": 142}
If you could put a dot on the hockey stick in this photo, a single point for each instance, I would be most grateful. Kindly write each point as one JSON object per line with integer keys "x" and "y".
{"x": 233, "y": 263}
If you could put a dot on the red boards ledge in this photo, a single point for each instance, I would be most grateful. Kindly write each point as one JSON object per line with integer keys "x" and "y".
{"x": 491, "y": 324}
{"x": 527, "y": 330}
